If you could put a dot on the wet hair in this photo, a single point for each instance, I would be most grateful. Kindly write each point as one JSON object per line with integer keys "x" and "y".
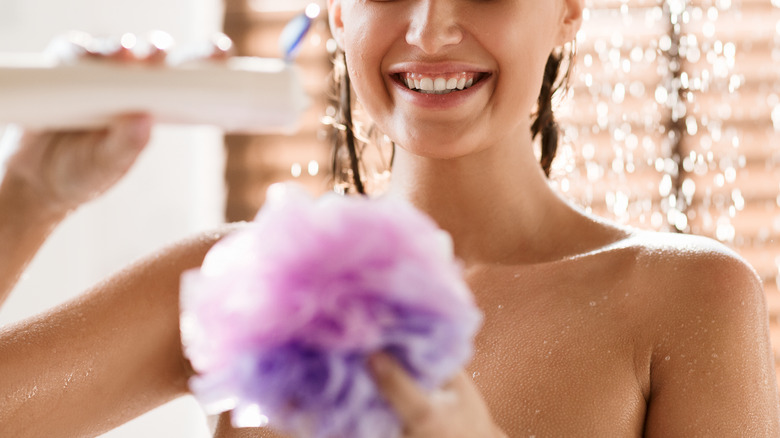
{"x": 347, "y": 166}
{"x": 544, "y": 123}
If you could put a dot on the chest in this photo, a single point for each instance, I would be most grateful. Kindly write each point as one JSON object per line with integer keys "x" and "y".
{"x": 561, "y": 363}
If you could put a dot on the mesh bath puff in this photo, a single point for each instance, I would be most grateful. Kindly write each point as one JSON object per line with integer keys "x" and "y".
{"x": 281, "y": 317}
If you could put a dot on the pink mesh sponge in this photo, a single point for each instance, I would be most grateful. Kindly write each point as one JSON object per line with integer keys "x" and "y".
{"x": 279, "y": 320}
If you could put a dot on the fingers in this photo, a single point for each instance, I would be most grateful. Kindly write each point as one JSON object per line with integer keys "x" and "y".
{"x": 129, "y": 48}
{"x": 155, "y": 48}
{"x": 399, "y": 389}
{"x": 126, "y": 138}
{"x": 222, "y": 46}
{"x": 218, "y": 48}
{"x": 75, "y": 46}
{"x": 160, "y": 44}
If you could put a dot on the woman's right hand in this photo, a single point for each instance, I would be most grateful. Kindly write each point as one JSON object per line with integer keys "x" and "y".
{"x": 64, "y": 169}
{"x": 59, "y": 170}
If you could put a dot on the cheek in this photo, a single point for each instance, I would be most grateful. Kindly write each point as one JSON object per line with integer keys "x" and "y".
{"x": 518, "y": 83}
{"x": 366, "y": 79}
{"x": 363, "y": 46}
{"x": 521, "y": 55}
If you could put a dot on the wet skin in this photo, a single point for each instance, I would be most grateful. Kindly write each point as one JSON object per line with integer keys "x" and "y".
{"x": 571, "y": 346}
{"x": 588, "y": 312}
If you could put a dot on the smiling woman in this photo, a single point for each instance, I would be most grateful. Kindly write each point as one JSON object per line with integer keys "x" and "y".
{"x": 620, "y": 332}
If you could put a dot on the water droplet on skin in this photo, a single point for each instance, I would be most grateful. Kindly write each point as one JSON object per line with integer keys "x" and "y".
{"x": 714, "y": 355}
{"x": 475, "y": 375}
{"x": 668, "y": 358}
{"x": 592, "y": 304}
{"x": 68, "y": 380}
{"x": 500, "y": 306}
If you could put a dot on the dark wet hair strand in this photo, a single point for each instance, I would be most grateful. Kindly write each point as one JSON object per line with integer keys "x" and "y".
{"x": 545, "y": 124}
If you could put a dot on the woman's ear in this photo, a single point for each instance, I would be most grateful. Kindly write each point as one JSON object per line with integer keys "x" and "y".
{"x": 572, "y": 20}
{"x": 334, "y": 19}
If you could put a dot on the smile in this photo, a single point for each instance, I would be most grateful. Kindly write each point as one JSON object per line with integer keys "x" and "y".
{"x": 440, "y": 83}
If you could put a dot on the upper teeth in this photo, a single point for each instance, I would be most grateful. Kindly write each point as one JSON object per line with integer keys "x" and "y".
{"x": 438, "y": 84}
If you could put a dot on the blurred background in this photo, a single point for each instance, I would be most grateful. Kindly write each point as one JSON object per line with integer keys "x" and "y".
{"x": 672, "y": 123}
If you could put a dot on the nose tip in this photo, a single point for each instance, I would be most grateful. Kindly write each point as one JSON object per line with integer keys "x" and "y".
{"x": 430, "y": 42}
{"x": 433, "y": 29}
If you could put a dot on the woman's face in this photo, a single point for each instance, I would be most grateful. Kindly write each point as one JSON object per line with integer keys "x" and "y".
{"x": 444, "y": 78}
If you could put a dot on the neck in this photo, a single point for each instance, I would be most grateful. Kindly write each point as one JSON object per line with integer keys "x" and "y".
{"x": 495, "y": 203}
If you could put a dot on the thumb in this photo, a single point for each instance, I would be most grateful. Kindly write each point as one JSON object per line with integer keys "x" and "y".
{"x": 127, "y": 137}
{"x": 400, "y": 390}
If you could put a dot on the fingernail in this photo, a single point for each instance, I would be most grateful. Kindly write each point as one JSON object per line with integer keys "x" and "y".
{"x": 103, "y": 46}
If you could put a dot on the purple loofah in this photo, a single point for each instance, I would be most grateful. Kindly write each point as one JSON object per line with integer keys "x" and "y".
{"x": 279, "y": 320}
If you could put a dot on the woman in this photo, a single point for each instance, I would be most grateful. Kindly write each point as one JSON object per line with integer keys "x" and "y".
{"x": 590, "y": 329}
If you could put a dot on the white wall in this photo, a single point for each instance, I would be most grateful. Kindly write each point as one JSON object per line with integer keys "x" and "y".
{"x": 175, "y": 190}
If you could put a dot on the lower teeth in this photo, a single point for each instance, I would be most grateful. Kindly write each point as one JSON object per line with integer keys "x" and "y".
{"x": 468, "y": 85}
{"x": 434, "y": 91}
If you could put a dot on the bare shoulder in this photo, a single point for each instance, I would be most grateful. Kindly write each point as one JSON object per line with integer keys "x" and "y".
{"x": 185, "y": 253}
{"x": 702, "y": 326}
{"x": 687, "y": 269}
{"x": 672, "y": 268}
{"x": 699, "y": 257}
{"x": 682, "y": 280}
{"x": 199, "y": 244}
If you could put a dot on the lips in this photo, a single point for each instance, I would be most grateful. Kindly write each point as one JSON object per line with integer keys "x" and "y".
{"x": 438, "y": 85}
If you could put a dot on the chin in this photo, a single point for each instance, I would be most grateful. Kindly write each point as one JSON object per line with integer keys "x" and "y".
{"x": 442, "y": 144}
{"x": 439, "y": 150}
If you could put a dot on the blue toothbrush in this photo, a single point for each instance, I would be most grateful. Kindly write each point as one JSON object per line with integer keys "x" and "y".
{"x": 294, "y": 32}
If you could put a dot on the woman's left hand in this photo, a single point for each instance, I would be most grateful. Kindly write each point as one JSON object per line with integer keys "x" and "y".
{"x": 456, "y": 410}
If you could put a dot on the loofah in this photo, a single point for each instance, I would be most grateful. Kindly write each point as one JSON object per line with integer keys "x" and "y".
{"x": 281, "y": 317}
